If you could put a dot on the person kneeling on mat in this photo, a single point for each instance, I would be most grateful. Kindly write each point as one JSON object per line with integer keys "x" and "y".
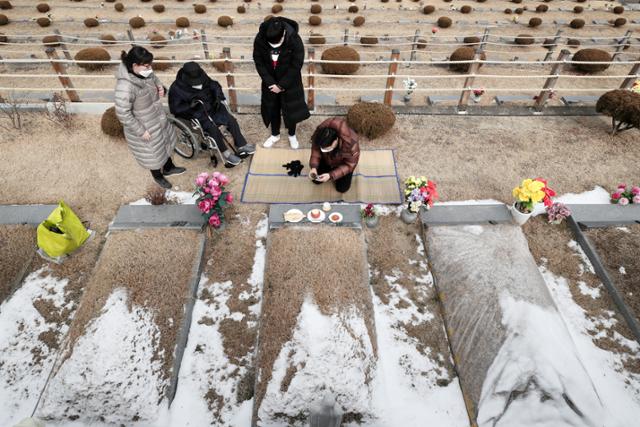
{"x": 194, "y": 95}
{"x": 334, "y": 153}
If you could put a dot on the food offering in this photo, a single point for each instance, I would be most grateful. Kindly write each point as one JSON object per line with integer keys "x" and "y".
{"x": 315, "y": 215}
{"x": 335, "y": 217}
{"x": 293, "y": 215}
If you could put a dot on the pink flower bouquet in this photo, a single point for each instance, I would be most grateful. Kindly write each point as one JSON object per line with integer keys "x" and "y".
{"x": 625, "y": 195}
{"x": 212, "y": 198}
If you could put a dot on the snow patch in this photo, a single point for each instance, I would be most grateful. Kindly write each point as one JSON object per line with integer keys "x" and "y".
{"x": 173, "y": 197}
{"x": 588, "y": 290}
{"x": 585, "y": 259}
{"x": 473, "y": 229}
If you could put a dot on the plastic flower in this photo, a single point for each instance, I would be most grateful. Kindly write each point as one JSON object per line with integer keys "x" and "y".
{"x": 204, "y": 205}
{"x": 635, "y": 191}
{"x": 548, "y": 193}
{"x": 229, "y": 198}
{"x": 636, "y": 199}
{"x": 531, "y": 190}
{"x": 623, "y": 201}
{"x": 214, "y": 221}
{"x": 202, "y": 179}
{"x": 616, "y": 195}
{"x": 223, "y": 180}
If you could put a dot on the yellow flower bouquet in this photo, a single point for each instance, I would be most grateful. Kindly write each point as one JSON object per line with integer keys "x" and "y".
{"x": 530, "y": 193}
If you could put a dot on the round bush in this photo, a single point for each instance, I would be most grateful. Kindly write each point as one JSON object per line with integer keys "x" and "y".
{"x": 577, "y": 23}
{"x": 371, "y": 119}
{"x": 266, "y": 18}
{"x": 578, "y": 9}
{"x": 3, "y": 38}
{"x": 535, "y": 22}
{"x": 516, "y": 1}
{"x": 358, "y": 21}
{"x": 52, "y": 41}
{"x": 110, "y": 1}
{"x": 592, "y": 55}
{"x": 108, "y": 39}
{"x": 368, "y": 40}
{"x": 618, "y": 10}
{"x": 444, "y": 22}
{"x": 5, "y": 5}
{"x": 466, "y": 9}
{"x": 542, "y": 8}
{"x": 91, "y": 22}
{"x": 241, "y": 9}
{"x": 316, "y": 8}
{"x": 158, "y": 8}
{"x": 353, "y": 9}
{"x": 519, "y": 11}
{"x": 110, "y": 124}
{"x": 315, "y": 20}
{"x": 508, "y": 11}
{"x": 119, "y": 7}
{"x": 161, "y": 66}
{"x": 340, "y": 53}
{"x": 317, "y": 39}
{"x": 43, "y": 8}
{"x": 276, "y": 8}
{"x": 182, "y": 22}
{"x": 464, "y": 54}
{"x": 280, "y": 1}
{"x": 573, "y": 43}
{"x": 472, "y": 40}
{"x": 137, "y": 22}
{"x": 619, "y": 22}
{"x": 524, "y": 39}
{"x": 428, "y": 10}
{"x": 622, "y": 105}
{"x": 43, "y": 22}
{"x": 547, "y": 43}
{"x": 225, "y": 21}
{"x": 421, "y": 44}
{"x": 158, "y": 41}
{"x": 92, "y": 54}
{"x": 581, "y": 1}
{"x": 200, "y": 8}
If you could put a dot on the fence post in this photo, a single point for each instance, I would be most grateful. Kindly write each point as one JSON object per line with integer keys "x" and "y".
{"x": 633, "y": 76}
{"x": 345, "y": 38}
{"x": 311, "y": 68}
{"x": 130, "y": 35}
{"x": 391, "y": 79}
{"x": 544, "y": 94}
{"x": 621, "y": 45}
{"x": 473, "y": 69}
{"x": 414, "y": 46}
{"x": 205, "y": 45}
{"x": 553, "y": 47}
{"x": 231, "y": 81}
{"x": 63, "y": 46}
{"x": 61, "y": 71}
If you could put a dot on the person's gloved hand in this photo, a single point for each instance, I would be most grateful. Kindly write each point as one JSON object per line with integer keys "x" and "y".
{"x": 294, "y": 168}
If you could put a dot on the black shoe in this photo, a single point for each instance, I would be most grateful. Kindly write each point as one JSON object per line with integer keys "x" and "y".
{"x": 162, "y": 182}
{"x": 174, "y": 171}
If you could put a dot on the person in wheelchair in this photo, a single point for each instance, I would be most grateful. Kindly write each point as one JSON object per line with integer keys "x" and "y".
{"x": 194, "y": 95}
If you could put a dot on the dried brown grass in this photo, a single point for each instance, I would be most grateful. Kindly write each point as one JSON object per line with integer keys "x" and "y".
{"x": 325, "y": 263}
{"x": 155, "y": 267}
{"x": 17, "y": 247}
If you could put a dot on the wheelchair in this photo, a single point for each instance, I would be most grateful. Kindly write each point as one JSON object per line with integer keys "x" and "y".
{"x": 192, "y": 139}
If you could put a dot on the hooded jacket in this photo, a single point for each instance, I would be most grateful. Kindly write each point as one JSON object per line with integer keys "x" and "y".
{"x": 286, "y": 74}
{"x": 344, "y": 158}
{"x": 182, "y": 94}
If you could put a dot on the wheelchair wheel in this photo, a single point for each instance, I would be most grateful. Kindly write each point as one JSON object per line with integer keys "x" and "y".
{"x": 186, "y": 144}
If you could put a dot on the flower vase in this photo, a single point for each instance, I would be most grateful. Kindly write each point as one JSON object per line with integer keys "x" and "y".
{"x": 371, "y": 221}
{"x": 408, "y": 217}
{"x": 407, "y": 98}
{"x": 519, "y": 217}
{"x": 476, "y": 98}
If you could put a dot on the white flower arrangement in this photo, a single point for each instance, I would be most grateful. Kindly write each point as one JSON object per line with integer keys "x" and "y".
{"x": 410, "y": 85}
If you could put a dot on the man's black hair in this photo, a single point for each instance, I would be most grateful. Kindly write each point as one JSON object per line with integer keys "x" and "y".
{"x": 275, "y": 30}
{"x": 136, "y": 55}
{"x": 324, "y": 137}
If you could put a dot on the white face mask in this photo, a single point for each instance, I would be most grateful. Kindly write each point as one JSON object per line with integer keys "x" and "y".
{"x": 198, "y": 87}
{"x": 275, "y": 45}
{"x": 146, "y": 73}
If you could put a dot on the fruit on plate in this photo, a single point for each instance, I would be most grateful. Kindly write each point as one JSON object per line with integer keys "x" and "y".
{"x": 293, "y": 215}
{"x": 335, "y": 217}
{"x": 315, "y": 213}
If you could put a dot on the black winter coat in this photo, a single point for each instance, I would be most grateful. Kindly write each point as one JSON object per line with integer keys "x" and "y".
{"x": 181, "y": 95}
{"x": 286, "y": 74}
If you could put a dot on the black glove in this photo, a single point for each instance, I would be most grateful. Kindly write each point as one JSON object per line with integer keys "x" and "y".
{"x": 294, "y": 168}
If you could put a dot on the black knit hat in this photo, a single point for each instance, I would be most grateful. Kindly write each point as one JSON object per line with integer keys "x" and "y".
{"x": 192, "y": 74}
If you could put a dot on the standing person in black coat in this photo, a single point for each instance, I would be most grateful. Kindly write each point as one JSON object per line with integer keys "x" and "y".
{"x": 278, "y": 54}
{"x": 193, "y": 85}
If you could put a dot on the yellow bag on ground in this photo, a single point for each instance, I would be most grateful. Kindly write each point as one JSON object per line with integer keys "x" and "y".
{"x": 62, "y": 232}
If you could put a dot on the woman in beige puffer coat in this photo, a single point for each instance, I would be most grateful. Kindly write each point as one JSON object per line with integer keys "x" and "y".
{"x": 150, "y": 135}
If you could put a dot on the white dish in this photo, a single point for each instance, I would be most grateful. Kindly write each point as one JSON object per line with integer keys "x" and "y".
{"x": 319, "y": 218}
{"x": 293, "y": 215}
{"x": 338, "y": 219}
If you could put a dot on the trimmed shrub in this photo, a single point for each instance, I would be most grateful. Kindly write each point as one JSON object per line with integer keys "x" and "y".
{"x": 158, "y": 41}
{"x": 353, "y": 9}
{"x": 137, "y": 22}
{"x": 183, "y": 22}
{"x": 595, "y": 55}
{"x": 578, "y": 9}
{"x": 619, "y": 22}
{"x": 573, "y": 43}
{"x": 535, "y": 22}
{"x": 519, "y": 11}
{"x": 108, "y": 39}
{"x": 225, "y": 21}
{"x": 618, "y": 10}
{"x": 158, "y": 8}
{"x": 577, "y": 23}
{"x": 371, "y": 119}
{"x": 317, "y": 39}
{"x": 444, "y": 22}
{"x": 119, "y": 7}
{"x": 368, "y": 40}
{"x": 508, "y": 11}
{"x": 110, "y": 124}
{"x": 266, "y": 18}
{"x": 241, "y": 9}
{"x": 280, "y": 1}
{"x": 43, "y": 22}
{"x": 91, "y": 22}
{"x": 466, "y": 9}
{"x": 3, "y": 38}
{"x": 161, "y": 66}
{"x": 218, "y": 64}
{"x": 200, "y": 8}
{"x": 315, "y": 20}
{"x": 358, "y": 21}
{"x": 110, "y": 1}
{"x": 92, "y": 54}
{"x": 464, "y": 54}
{"x": 621, "y": 105}
{"x": 524, "y": 39}
{"x": 421, "y": 44}
{"x": 428, "y": 10}
{"x": 43, "y": 8}
{"x": 516, "y": 1}
{"x": 5, "y": 5}
{"x": 52, "y": 41}
{"x": 542, "y": 8}
{"x": 340, "y": 53}
{"x": 472, "y": 40}
{"x": 581, "y": 1}
{"x": 547, "y": 43}
{"x": 276, "y": 8}
{"x": 316, "y": 8}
